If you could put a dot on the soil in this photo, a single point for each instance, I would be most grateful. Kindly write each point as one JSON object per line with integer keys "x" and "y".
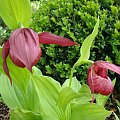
{"x": 4, "y": 112}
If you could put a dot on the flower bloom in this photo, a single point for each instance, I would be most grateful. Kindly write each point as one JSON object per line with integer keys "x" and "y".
{"x": 97, "y": 78}
{"x": 24, "y": 50}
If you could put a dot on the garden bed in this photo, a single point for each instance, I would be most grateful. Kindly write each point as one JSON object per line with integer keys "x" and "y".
{"x": 4, "y": 112}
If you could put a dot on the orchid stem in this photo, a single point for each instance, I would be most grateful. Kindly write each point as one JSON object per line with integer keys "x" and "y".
{"x": 71, "y": 75}
{"x": 75, "y": 65}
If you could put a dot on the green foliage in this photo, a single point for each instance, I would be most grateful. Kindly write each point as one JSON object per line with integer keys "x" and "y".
{"x": 4, "y": 34}
{"x": 38, "y": 97}
{"x": 75, "y": 19}
{"x": 30, "y": 95}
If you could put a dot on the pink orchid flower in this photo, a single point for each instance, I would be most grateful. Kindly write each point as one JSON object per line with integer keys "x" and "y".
{"x": 24, "y": 50}
{"x": 98, "y": 80}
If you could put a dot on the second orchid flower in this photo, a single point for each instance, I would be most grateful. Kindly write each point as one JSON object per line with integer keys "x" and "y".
{"x": 98, "y": 80}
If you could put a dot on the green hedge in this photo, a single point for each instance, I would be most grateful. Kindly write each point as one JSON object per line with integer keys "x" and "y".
{"x": 75, "y": 19}
{"x": 4, "y": 32}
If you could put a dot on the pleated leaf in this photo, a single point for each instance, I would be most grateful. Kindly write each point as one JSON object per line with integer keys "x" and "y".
{"x": 75, "y": 85}
{"x": 48, "y": 90}
{"x": 89, "y": 112}
{"x": 65, "y": 96}
{"x": 68, "y": 95}
{"x": 22, "y": 114}
{"x": 22, "y": 93}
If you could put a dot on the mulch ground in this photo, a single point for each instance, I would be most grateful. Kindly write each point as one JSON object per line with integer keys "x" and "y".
{"x": 4, "y": 112}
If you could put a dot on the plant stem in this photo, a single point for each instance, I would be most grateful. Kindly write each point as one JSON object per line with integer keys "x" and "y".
{"x": 75, "y": 65}
{"x": 71, "y": 75}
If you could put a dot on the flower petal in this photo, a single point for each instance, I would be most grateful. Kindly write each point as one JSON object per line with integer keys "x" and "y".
{"x": 16, "y": 61}
{"x": 102, "y": 85}
{"x": 5, "y": 53}
{"x": 49, "y": 38}
{"x": 90, "y": 79}
{"x": 24, "y": 45}
{"x": 108, "y": 65}
{"x": 100, "y": 71}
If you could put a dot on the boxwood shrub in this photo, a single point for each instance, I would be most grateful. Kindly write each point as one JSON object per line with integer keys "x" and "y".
{"x": 75, "y": 19}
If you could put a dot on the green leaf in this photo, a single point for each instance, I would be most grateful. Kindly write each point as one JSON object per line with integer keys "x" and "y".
{"x": 89, "y": 112}
{"x": 75, "y": 85}
{"x": 22, "y": 93}
{"x": 118, "y": 103}
{"x": 20, "y": 76}
{"x": 36, "y": 71}
{"x": 48, "y": 90}
{"x": 65, "y": 96}
{"x": 118, "y": 107}
{"x": 101, "y": 99}
{"x": 34, "y": 92}
{"x": 116, "y": 117}
{"x": 68, "y": 95}
{"x": 15, "y": 12}
{"x": 22, "y": 114}
{"x": 16, "y": 97}
{"x": 85, "y": 48}
{"x": 8, "y": 93}
{"x": 87, "y": 96}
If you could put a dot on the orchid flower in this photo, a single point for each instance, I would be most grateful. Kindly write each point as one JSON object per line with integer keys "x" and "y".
{"x": 98, "y": 80}
{"x": 24, "y": 50}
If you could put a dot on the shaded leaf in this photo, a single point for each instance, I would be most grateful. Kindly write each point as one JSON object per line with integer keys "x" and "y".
{"x": 116, "y": 117}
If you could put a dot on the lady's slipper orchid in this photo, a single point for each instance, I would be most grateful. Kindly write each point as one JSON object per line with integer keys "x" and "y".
{"x": 24, "y": 50}
{"x": 98, "y": 80}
